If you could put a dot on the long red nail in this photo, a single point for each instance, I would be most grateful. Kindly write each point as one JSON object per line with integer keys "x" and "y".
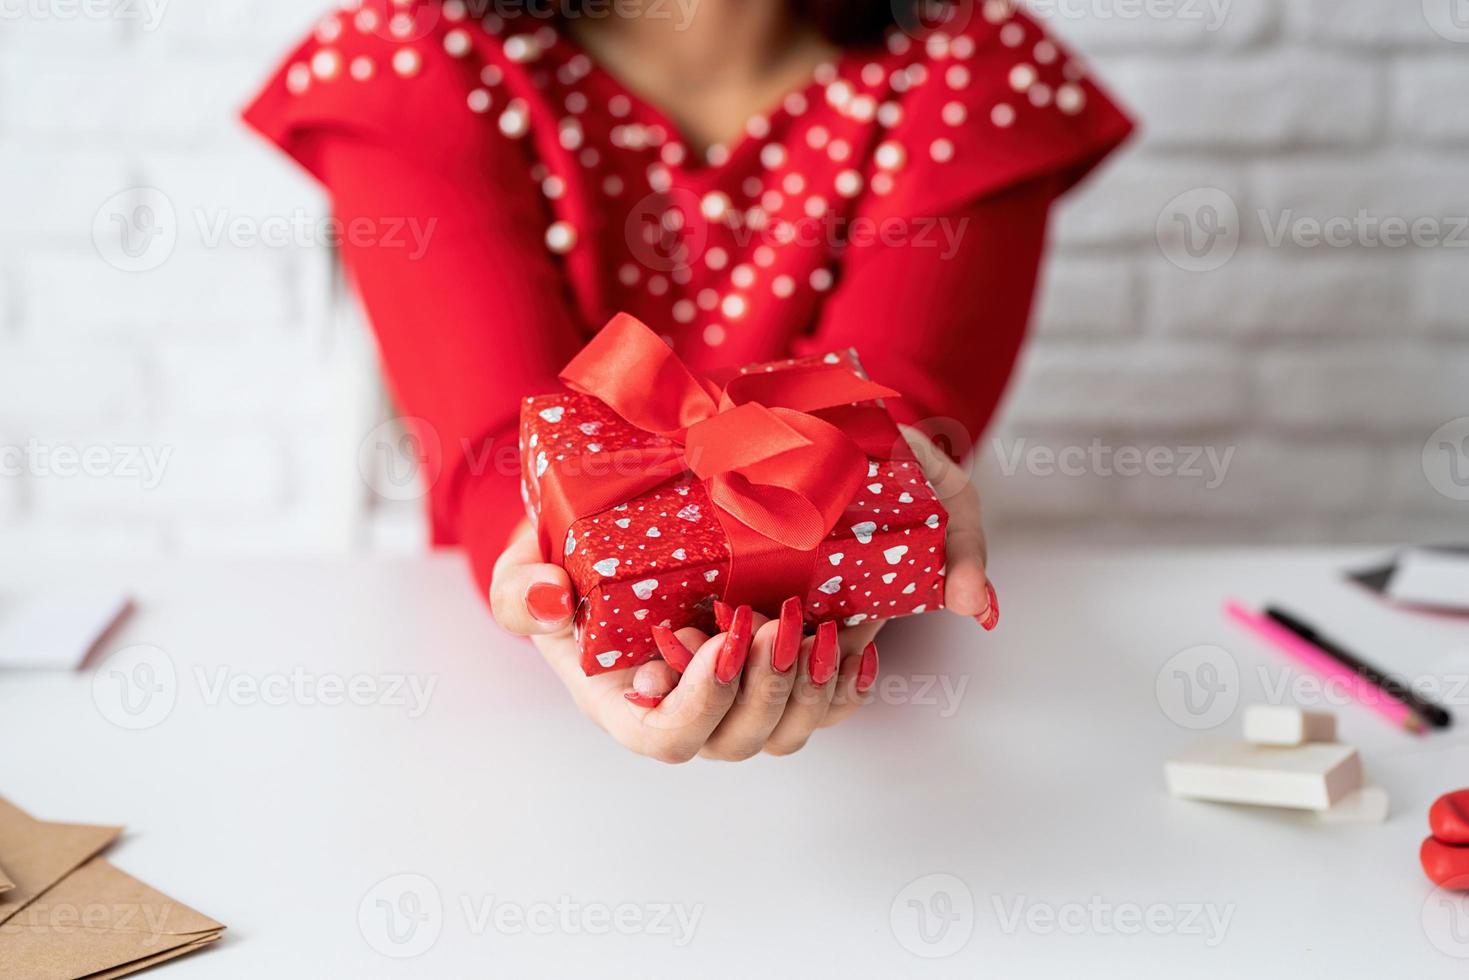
{"x": 824, "y": 653}
{"x": 723, "y": 615}
{"x": 787, "y": 636}
{"x": 674, "y": 652}
{"x": 867, "y": 669}
{"x": 643, "y": 700}
{"x": 991, "y": 616}
{"x": 548, "y": 602}
{"x": 736, "y": 646}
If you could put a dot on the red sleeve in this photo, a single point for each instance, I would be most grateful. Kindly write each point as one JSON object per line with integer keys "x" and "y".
{"x": 937, "y": 297}
{"x": 442, "y": 230}
{"x": 941, "y": 318}
{"x": 1016, "y": 108}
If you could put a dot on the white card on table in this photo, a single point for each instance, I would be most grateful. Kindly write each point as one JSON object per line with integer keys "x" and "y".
{"x": 57, "y": 630}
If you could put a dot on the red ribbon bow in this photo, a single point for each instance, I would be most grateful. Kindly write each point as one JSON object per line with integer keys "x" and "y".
{"x": 781, "y": 453}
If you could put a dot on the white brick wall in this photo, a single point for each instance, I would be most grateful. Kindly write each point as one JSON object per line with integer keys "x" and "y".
{"x": 1317, "y": 371}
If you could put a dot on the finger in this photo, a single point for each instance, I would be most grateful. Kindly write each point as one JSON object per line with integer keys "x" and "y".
{"x": 650, "y": 684}
{"x": 809, "y": 700}
{"x": 761, "y": 701}
{"x": 675, "y": 653}
{"x": 677, "y": 729}
{"x": 529, "y": 596}
{"x": 855, "y": 638}
{"x": 854, "y": 685}
{"x": 967, "y": 589}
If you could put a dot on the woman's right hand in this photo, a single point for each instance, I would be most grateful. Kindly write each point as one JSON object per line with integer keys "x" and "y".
{"x": 730, "y": 703}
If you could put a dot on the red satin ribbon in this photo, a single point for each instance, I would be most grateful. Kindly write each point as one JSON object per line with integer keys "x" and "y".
{"x": 781, "y": 453}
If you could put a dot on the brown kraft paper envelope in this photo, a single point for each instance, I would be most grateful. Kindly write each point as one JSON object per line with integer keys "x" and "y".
{"x": 36, "y": 854}
{"x": 99, "y": 922}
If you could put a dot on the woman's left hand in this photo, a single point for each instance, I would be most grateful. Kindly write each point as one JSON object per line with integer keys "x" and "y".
{"x": 802, "y": 707}
{"x": 967, "y": 589}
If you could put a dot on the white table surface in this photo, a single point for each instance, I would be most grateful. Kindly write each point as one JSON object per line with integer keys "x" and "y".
{"x": 1036, "y": 794}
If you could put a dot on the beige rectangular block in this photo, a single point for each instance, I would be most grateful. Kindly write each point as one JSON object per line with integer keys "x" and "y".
{"x": 1369, "y": 804}
{"x": 1313, "y": 776}
{"x": 1284, "y": 724}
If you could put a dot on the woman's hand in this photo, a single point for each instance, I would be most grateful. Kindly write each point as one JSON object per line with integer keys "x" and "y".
{"x": 759, "y": 685}
{"x": 967, "y": 589}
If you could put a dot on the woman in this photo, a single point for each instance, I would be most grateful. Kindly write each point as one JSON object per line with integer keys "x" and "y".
{"x": 753, "y": 179}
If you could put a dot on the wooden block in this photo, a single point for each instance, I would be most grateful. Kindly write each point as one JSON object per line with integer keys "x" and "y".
{"x": 1367, "y": 805}
{"x": 1313, "y": 776}
{"x": 1283, "y": 724}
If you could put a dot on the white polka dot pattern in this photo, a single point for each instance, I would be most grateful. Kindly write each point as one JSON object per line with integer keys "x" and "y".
{"x": 727, "y": 234}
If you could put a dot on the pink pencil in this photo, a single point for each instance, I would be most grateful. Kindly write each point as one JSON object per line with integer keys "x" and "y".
{"x": 1303, "y": 653}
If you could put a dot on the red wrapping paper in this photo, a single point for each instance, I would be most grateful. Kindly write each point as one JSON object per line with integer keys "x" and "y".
{"x": 663, "y": 557}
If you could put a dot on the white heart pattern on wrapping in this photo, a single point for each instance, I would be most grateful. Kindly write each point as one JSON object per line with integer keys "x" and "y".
{"x": 553, "y": 415}
{"x": 644, "y": 589}
{"x": 541, "y": 464}
{"x": 854, "y": 620}
{"x": 570, "y": 542}
{"x": 888, "y": 578}
{"x": 607, "y": 567}
{"x": 933, "y": 520}
{"x": 864, "y": 531}
{"x": 910, "y": 588}
{"x": 609, "y": 657}
{"x": 680, "y": 554}
{"x": 653, "y": 532}
{"x": 690, "y": 513}
{"x": 905, "y": 497}
{"x": 875, "y": 487}
{"x": 590, "y": 428}
{"x": 831, "y": 586}
{"x": 640, "y": 615}
{"x": 711, "y": 575}
{"x": 895, "y": 553}
{"x": 623, "y": 522}
{"x": 836, "y": 557}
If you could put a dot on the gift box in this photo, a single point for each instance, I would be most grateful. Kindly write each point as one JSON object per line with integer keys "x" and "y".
{"x": 661, "y": 492}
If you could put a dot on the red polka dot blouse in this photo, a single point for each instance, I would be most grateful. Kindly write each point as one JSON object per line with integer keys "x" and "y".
{"x": 896, "y": 203}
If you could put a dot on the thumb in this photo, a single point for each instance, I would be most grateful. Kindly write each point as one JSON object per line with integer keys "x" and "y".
{"x": 529, "y": 596}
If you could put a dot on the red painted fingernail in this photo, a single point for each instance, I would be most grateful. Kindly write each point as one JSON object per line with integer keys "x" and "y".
{"x": 674, "y": 652}
{"x": 824, "y": 653}
{"x": 991, "y": 616}
{"x": 643, "y": 700}
{"x": 723, "y": 614}
{"x": 736, "y": 646}
{"x": 867, "y": 669}
{"x": 787, "y": 636}
{"x": 548, "y": 601}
